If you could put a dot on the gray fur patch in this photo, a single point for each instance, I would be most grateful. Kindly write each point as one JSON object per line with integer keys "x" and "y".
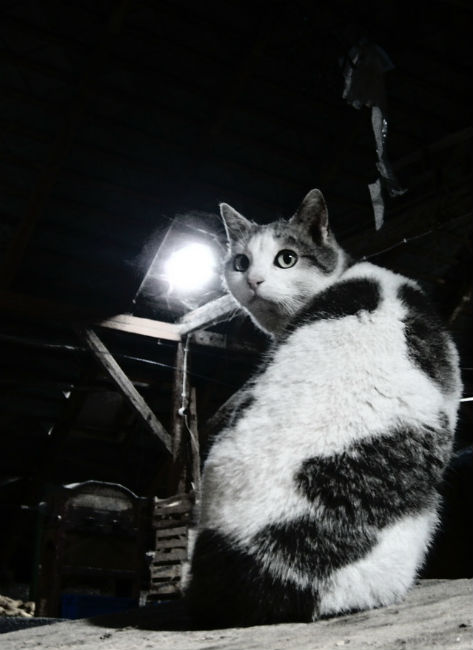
{"x": 426, "y": 338}
{"x": 377, "y": 480}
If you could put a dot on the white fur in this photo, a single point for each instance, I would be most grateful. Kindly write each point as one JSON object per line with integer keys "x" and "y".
{"x": 386, "y": 573}
{"x": 332, "y": 383}
{"x": 282, "y": 292}
{"x": 311, "y": 402}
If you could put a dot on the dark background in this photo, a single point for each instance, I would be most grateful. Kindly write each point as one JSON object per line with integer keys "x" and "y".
{"x": 123, "y": 124}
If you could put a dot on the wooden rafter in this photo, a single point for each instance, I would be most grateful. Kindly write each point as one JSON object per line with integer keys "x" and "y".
{"x": 209, "y": 314}
{"x": 144, "y": 326}
{"x": 133, "y": 397}
{"x": 195, "y": 322}
{"x": 42, "y": 309}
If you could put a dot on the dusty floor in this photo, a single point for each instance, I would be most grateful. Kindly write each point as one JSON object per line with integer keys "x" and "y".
{"x": 436, "y": 614}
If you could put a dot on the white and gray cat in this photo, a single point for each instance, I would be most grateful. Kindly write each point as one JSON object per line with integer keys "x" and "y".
{"x": 320, "y": 494}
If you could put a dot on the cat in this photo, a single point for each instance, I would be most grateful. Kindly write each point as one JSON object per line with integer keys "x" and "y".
{"x": 319, "y": 496}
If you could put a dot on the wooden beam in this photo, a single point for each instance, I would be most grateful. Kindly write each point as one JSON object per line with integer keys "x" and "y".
{"x": 43, "y": 309}
{"x": 221, "y": 309}
{"x": 143, "y": 326}
{"x": 451, "y": 140}
{"x": 136, "y": 401}
{"x": 212, "y": 312}
{"x": 411, "y": 222}
{"x": 223, "y": 342}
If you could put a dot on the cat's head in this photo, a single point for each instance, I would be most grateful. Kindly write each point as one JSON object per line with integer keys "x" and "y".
{"x": 274, "y": 270}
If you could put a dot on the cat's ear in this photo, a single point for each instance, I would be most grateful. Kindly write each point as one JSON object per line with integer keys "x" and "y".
{"x": 235, "y": 223}
{"x": 312, "y": 215}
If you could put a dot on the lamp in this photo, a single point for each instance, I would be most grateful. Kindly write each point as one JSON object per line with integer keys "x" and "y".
{"x": 190, "y": 268}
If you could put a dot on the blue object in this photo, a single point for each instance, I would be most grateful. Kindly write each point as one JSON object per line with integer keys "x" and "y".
{"x": 86, "y": 605}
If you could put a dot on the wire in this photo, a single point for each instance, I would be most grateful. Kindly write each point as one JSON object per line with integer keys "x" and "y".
{"x": 119, "y": 355}
{"x": 405, "y": 240}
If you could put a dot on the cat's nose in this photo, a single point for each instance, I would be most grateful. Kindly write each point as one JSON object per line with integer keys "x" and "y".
{"x": 254, "y": 282}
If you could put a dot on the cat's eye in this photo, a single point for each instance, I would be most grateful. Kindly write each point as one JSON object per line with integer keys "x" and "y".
{"x": 285, "y": 259}
{"x": 241, "y": 262}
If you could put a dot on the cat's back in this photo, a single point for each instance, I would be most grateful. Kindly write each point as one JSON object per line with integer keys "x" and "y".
{"x": 377, "y": 323}
{"x": 366, "y": 353}
{"x": 351, "y": 366}
{"x": 320, "y": 494}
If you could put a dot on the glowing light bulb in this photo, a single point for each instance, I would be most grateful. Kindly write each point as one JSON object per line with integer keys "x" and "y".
{"x": 190, "y": 268}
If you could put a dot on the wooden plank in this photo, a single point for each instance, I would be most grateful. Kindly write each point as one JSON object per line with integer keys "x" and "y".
{"x": 221, "y": 341}
{"x": 451, "y": 140}
{"x": 43, "y": 309}
{"x": 165, "y": 572}
{"x": 142, "y": 326}
{"x": 172, "y": 505}
{"x": 171, "y": 536}
{"x": 166, "y": 589}
{"x": 169, "y": 523}
{"x": 177, "y": 509}
{"x": 174, "y": 519}
{"x": 179, "y": 531}
{"x": 141, "y": 408}
{"x": 211, "y": 313}
{"x": 179, "y": 542}
{"x": 176, "y": 499}
{"x": 174, "y": 555}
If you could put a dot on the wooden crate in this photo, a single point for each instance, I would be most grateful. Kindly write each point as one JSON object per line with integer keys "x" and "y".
{"x": 171, "y": 521}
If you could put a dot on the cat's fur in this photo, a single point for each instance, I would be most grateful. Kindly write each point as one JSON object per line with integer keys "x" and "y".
{"x": 320, "y": 494}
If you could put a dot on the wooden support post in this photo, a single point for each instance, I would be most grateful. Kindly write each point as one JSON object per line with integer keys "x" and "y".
{"x": 136, "y": 401}
{"x": 178, "y": 470}
{"x": 185, "y": 471}
{"x": 194, "y": 442}
{"x": 178, "y": 390}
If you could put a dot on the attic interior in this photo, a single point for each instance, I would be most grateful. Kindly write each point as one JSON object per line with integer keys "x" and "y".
{"x": 124, "y": 124}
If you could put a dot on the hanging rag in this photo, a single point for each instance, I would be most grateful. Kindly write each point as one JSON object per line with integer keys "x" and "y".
{"x": 364, "y": 72}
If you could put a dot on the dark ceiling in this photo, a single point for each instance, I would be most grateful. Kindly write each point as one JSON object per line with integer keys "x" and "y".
{"x": 116, "y": 116}
{"x": 122, "y": 120}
